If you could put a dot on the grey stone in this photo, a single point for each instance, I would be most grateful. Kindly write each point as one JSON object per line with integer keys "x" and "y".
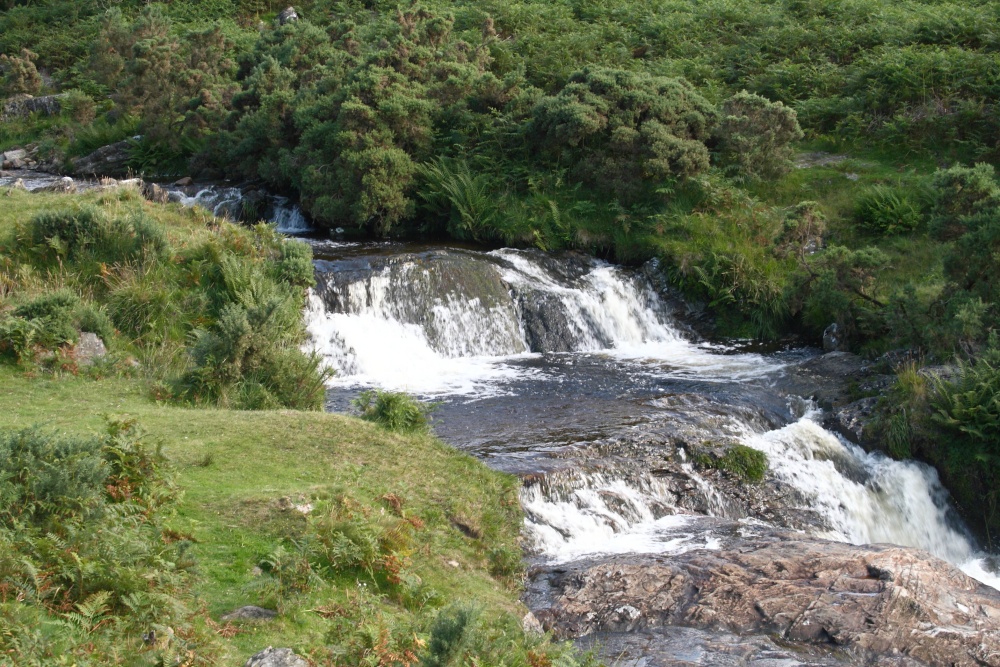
{"x": 184, "y": 182}
{"x": 833, "y": 340}
{"x": 110, "y": 160}
{"x": 874, "y": 600}
{"x": 276, "y": 657}
{"x": 531, "y": 625}
{"x": 16, "y": 154}
{"x": 851, "y": 420}
{"x": 250, "y": 613}
{"x": 22, "y": 106}
{"x": 64, "y": 184}
{"x": 89, "y": 349}
{"x": 155, "y": 193}
{"x": 287, "y": 16}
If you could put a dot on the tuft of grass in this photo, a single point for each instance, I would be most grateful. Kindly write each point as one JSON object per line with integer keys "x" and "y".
{"x": 394, "y": 411}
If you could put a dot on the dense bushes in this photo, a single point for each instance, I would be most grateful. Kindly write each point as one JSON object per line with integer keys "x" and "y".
{"x": 84, "y": 570}
{"x": 218, "y": 320}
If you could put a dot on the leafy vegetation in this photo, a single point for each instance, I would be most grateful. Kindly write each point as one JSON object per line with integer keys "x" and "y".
{"x": 364, "y": 576}
{"x": 209, "y": 310}
{"x": 393, "y": 410}
{"x": 746, "y": 463}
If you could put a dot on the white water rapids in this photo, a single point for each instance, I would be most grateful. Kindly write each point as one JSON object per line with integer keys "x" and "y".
{"x": 464, "y": 346}
{"x": 463, "y": 323}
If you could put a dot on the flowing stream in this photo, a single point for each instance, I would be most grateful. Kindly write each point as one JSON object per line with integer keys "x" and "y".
{"x": 576, "y": 374}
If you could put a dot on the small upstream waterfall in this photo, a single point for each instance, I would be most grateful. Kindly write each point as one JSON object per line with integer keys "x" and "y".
{"x": 446, "y": 321}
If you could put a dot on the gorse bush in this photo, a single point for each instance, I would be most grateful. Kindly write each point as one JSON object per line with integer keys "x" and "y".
{"x": 82, "y": 553}
{"x": 755, "y": 136}
{"x": 393, "y": 410}
{"x": 223, "y": 312}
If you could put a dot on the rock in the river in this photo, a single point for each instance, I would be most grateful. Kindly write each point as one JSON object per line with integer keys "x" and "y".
{"x": 13, "y": 159}
{"x": 155, "y": 193}
{"x": 833, "y": 340}
{"x": 276, "y": 657}
{"x": 110, "y": 160}
{"x": 89, "y": 349}
{"x": 874, "y": 600}
{"x": 250, "y": 613}
{"x": 852, "y": 419}
{"x": 64, "y": 184}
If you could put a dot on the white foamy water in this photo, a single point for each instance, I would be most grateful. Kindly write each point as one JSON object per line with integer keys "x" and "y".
{"x": 370, "y": 349}
{"x": 603, "y": 516}
{"x": 453, "y": 343}
{"x": 289, "y": 219}
{"x": 869, "y": 498}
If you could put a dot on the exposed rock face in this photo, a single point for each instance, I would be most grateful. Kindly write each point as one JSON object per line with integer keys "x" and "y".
{"x": 110, "y": 160}
{"x": 875, "y": 600}
{"x": 287, "y": 16}
{"x": 250, "y": 613}
{"x": 22, "y": 106}
{"x": 276, "y": 657}
{"x": 89, "y": 349}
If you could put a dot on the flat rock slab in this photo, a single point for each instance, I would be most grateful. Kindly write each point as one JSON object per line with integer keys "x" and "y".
{"x": 250, "y": 613}
{"x": 276, "y": 657}
{"x": 876, "y": 601}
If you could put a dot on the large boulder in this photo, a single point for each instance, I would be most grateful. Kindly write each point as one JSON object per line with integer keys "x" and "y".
{"x": 874, "y": 600}
{"x": 89, "y": 349}
{"x": 287, "y": 15}
{"x": 111, "y": 160}
{"x": 276, "y": 657}
{"x": 22, "y": 106}
{"x": 14, "y": 159}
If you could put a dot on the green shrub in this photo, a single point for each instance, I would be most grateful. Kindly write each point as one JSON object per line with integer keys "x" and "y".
{"x": 295, "y": 265}
{"x": 967, "y": 411}
{"x": 755, "y": 136}
{"x": 885, "y": 210}
{"x": 745, "y": 462}
{"x": 78, "y": 106}
{"x": 393, "y": 410}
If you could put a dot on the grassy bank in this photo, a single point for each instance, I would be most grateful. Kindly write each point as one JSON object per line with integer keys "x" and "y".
{"x": 374, "y": 547}
{"x": 240, "y": 473}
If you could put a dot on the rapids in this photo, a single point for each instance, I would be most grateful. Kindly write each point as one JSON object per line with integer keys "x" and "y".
{"x": 551, "y": 367}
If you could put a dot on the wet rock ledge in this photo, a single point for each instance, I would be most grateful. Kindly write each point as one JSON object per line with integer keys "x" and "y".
{"x": 875, "y": 602}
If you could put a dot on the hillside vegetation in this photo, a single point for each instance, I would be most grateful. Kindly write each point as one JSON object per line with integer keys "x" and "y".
{"x": 791, "y": 164}
{"x": 136, "y": 510}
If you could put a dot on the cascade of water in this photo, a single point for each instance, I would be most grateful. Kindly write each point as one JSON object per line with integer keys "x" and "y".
{"x": 401, "y": 323}
{"x": 289, "y": 218}
{"x": 865, "y": 497}
{"x": 574, "y": 515}
{"x": 868, "y": 497}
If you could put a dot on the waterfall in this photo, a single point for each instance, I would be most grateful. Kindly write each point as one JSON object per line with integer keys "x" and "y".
{"x": 864, "y": 497}
{"x": 448, "y": 321}
{"x": 288, "y": 218}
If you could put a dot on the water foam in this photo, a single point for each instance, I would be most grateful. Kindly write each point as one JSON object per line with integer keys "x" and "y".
{"x": 867, "y": 497}
{"x": 372, "y": 335}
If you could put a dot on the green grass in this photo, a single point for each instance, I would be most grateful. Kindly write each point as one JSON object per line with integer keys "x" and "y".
{"x": 234, "y": 467}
